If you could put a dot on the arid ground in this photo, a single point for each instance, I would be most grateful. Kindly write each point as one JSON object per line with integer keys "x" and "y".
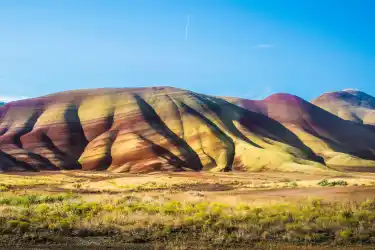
{"x": 187, "y": 210}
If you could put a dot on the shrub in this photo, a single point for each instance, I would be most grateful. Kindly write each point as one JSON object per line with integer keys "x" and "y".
{"x": 326, "y": 183}
{"x": 4, "y": 187}
{"x": 345, "y": 233}
{"x": 293, "y": 184}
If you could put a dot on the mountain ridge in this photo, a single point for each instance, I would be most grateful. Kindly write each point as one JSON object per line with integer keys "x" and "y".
{"x": 170, "y": 129}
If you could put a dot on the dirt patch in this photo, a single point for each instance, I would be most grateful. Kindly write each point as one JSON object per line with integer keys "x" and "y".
{"x": 354, "y": 169}
{"x": 329, "y": 193}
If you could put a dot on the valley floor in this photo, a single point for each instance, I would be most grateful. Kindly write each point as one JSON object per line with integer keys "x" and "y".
{"x": 187, "y": 210}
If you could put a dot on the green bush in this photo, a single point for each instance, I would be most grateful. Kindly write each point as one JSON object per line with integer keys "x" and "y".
{"x": 326, "y": 183}
{"x": 4, "y": 187}
{"x": 293, "y": 184}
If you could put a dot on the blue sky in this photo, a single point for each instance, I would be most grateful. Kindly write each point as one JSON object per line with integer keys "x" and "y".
{"x": 249, "y": 48}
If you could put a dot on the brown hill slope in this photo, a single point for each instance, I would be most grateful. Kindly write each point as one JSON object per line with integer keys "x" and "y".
{"x": 162, "y": 128}
{"x": 352, "y": 105}
{"x": 339, "y": 142}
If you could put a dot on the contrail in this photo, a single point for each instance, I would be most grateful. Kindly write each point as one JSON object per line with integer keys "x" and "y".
{"x": 187, "y": 28}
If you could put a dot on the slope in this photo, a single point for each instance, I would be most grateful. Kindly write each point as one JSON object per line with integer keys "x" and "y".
{"x": 143, "y": 130}
{"x": 341, "y": 143}
{"x": 352, "y": 105}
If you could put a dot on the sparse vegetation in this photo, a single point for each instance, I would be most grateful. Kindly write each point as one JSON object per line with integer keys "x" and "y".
{"x": 4, "y": 187}
{"x": 153, "y": 185}
{"x": 23, "y": 181}
{"x": 136, "y": 219}
{"x": 156, "y": 209}
{"x": 326, "y": 183}
{"x": 293, "y": 184}
{"x": 28, "y": 200}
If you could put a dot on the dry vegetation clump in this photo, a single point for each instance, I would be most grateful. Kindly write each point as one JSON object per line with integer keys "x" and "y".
{"x": 148, "y": 220}
{"x": 206, "y": 185}
{"x": 4, "y": 187}
{"x": 326, "y": 183}
{"x": 176, "y": 187}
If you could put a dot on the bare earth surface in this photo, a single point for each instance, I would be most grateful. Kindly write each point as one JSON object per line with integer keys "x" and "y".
{"x": 230, "y": 187}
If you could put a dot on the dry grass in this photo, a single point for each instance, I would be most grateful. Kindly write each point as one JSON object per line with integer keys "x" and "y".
{"x": 214, "y": 209}
{"x": 148, "y": 219}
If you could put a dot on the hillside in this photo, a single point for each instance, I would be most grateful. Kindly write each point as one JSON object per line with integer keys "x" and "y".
{"x": 352, "y": 105}
{"x": 169, "y": 129}
{"x": 341, "y": 143}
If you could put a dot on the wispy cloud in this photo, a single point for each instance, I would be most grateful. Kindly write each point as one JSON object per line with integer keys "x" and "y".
{"x": 12, "y": 98}
{"x": 263, "y": 46}
{"x": 187, "y": 27}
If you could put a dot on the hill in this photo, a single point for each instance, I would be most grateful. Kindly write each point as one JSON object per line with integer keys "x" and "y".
{"x": 333, "y": 138}
{"x": 169, "y": 129}
{"x": 350, "y": 104}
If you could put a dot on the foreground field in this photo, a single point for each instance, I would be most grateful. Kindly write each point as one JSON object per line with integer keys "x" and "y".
{"x": 187, "y": 210}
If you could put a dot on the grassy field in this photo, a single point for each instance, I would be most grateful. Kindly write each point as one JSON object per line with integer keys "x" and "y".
{"x": 188, "y": 210}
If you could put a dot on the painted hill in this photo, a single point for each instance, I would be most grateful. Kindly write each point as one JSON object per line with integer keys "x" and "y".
{"x": 169, "y": 129}
{"x": 350, "y": 104}
{"x": 2, "y": 103}
{"x": 329, "y": 136}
